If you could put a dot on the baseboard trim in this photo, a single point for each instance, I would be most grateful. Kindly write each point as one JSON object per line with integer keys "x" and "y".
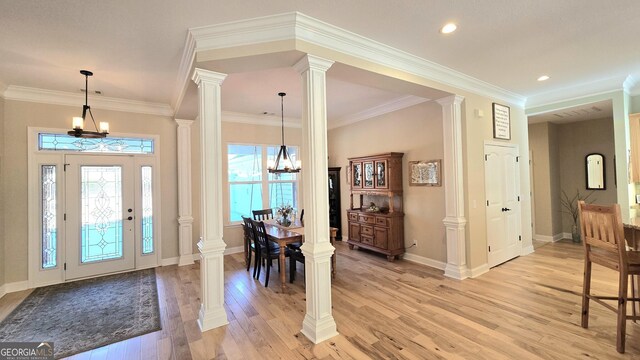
{"x": 477, "y": 271}
{"x": 527, "y": 250}
{"x": 547, "y": 238}
{"x": 196, "y": 256}
{"x": 2, "y": 291}
{"x": 567, "y": 236}
{"x": 13, "y": 287}
{"x": 424, "y": 261}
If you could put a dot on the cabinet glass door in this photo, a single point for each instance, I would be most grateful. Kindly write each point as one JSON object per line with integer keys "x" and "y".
{"x": 356, "y": 173}
{"x": 381, "y": 174}
{"x": 368, "y": 174}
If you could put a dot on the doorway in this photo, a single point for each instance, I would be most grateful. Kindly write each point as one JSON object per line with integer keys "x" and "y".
{"x": 502, "y": 187}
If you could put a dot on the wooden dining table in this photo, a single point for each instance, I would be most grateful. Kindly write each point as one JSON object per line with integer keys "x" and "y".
{"x": 294, "y": 233}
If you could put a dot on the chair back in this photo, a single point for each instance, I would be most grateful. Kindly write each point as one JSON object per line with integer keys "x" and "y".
{"x": 260, "y": 234}
{"x": 247, "y": 226}
{"x": 264, "y": 214}
{"x": 302, "y": 215}
{"x": 602, "y": 234}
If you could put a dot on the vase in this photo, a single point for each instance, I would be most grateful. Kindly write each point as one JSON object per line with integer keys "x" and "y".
{"x": 575, "y": 234}
{"x": 284, "y": 220}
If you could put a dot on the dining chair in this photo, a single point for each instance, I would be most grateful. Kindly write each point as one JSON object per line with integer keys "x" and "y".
{"x": 251, "y": 245}
{"x": 302, "y": 215}
{"x": 296, "y": 255}
{"x": 604, "y": 244}
{"x": 268, "y": 249}
{"x": 264, "y": 214}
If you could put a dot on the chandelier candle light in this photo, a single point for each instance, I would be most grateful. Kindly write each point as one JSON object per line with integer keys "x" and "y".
{"x": 283, "y": 163}
{"x": 78, "y": 122}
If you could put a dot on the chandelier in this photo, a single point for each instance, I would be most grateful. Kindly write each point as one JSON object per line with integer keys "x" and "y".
{"x": 78, "y": 122}
{"x": 283, "y": 163}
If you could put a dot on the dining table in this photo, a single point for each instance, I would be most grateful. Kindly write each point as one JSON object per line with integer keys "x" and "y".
{"x": 294, "y": 233}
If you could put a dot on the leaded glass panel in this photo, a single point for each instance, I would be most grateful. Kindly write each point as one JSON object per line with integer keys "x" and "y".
{"x": 147, "y": 210}
{"x": 64, "y": 142}
{"x": 101, "y": 213}
{"x": 49, "y": 230}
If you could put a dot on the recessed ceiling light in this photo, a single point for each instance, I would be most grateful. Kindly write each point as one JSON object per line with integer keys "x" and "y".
{"x": 543, "y": 78}
{"x": 448, "y": 28}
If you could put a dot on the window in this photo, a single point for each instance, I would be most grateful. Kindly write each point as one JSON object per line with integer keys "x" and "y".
{"x": 251, "y": 186}
{"x": 64, "y": 142}
{"x": 49, "y": 226}
{"x": 147, "y": 209}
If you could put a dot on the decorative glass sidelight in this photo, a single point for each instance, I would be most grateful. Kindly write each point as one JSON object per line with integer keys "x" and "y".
{"x": 101, "y": 206}
{"x": 147, "y": 209}
{"x": 64, "y": 142}
{"x": 49, "y": 230}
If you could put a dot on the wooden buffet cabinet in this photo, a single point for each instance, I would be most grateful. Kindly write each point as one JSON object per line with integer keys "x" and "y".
{"x": 377, "y": 176}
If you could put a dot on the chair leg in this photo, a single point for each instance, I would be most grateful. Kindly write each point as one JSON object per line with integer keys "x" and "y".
{"x": 266, "y": 283}
{"x": 248, "y": 259}
{"x": 633, "y": 295}
{"x": 586, "y": 291}
{"x": 292, "y": 269}
{"x": 622, "y": 311}
{"x": 256, "y": 266}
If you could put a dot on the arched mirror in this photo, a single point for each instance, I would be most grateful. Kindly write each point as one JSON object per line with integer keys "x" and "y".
{"x": 595, "y": 172}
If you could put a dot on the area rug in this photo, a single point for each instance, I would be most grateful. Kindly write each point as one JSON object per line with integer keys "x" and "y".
{"x": 87, "y": 314}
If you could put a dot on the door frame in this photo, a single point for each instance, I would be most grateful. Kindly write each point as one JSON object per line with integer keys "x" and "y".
{"x": 484, "y": 151}
{"x": 35, "y": 158}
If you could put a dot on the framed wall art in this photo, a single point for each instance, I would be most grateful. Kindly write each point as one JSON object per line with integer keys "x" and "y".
{"x": 425, "y": 173}
{"x": 501, "y": 122}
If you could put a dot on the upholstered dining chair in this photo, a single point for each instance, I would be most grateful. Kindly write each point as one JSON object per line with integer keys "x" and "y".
{"x": 268, "y": 249}
{"x": 261, "y": 215}
{"x": 251, "y": 245}
{"x": 604, "y": 244}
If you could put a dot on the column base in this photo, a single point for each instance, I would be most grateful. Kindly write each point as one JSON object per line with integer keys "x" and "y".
{"x": 211, "y": 319}
{"x": 319, "y": 330}
{"x": 185, "y": 260}
{"x": 456, "y": 271}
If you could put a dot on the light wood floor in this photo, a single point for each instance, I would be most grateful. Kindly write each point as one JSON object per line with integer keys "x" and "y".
{"x": 528, "y": 308}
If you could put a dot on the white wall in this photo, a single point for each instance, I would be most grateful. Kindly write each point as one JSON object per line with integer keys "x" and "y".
{"x": 2, "y": 203}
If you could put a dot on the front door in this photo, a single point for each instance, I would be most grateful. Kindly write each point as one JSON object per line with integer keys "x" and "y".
{"x": 502, "y": 187}
{"x": 99, "y": 215}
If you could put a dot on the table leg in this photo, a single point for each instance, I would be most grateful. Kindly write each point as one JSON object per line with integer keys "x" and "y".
{"x": 283, "y": 267}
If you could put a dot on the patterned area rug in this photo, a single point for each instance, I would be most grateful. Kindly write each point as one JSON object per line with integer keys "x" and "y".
{"x": 87, "y": 314}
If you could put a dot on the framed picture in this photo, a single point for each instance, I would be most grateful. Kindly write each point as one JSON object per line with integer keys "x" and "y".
{"x": 501, "y": 122}
{"x": 425, "y": 173}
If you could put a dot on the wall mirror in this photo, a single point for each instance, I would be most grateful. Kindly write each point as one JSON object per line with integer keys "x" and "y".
{"x": 595, "y": 172}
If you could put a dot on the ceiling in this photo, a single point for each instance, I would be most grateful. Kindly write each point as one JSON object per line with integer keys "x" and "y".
{"x": 592, "y": 111}
{"x": 135, "y": 47}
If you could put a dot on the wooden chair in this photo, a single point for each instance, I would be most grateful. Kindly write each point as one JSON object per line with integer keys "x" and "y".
{"x": 302, "y": 215}
{"x": 268, "y": 249}
{"x": 250, "y": 245}
{"x": 603, "y": 238}
{"x": 261, "y": 215}
{"x": 296, "y": 255}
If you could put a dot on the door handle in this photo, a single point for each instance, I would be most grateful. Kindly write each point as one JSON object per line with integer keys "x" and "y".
{"x": 130, "y": 218}
{"x": 507, "y": 209}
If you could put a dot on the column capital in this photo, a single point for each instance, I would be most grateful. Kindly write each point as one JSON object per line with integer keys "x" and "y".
{"x": 202, "y": 75}
{"x": 312, "y": 62}
{"x": 183, "y": 122}
{"x": 451, "y": 100}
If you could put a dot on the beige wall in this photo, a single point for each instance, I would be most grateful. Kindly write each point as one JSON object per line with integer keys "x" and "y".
{"x": 635, "y": 104}
{"x": 233, "y": 133}
{"x": 577, "y": 140}
{"x": 417, "y": 132}
{"x": 19, "y": 115}
{"x": 2, "y": 206}
{"x": 545, "y": 209}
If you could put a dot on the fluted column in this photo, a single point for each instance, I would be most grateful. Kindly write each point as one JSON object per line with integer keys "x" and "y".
{"x": 318, "y": 324}
{"x": 454, "y": 221}
{"x": 185, "y": 210}
{"x": 211, "y": 244}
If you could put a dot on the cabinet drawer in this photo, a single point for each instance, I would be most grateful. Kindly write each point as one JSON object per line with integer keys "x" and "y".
{"x": 381, "y": 221}
{"x": 366, "y": 239}
{"x": 367, "y": 219}
{"x": 353, "y": 217}
{"x": 366, "y": 230}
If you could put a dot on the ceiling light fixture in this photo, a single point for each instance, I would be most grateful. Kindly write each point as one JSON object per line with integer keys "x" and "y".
{"x": 448, "y": 28}
{"x": 78, "y": 122}
{"x": 543, "y": 78}
{"x": 283, "y": 163}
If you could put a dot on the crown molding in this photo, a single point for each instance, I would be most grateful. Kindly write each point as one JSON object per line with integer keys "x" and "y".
{"x": 22, "y": 93}
{"x": 391, "y": 106}
{"x": 185, "y": 70}
{"x": 262, "y": 120}
{"x": 631, "y": 85}
{"x": 297, "y": 26}
{"x": 577, "y": 92}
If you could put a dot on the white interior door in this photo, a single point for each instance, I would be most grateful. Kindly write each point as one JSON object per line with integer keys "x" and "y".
{"x": 99, "y": 215}
{"x": 502, "y": 186}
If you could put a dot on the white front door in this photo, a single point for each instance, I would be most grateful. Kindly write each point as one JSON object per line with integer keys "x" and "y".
{"x": 502, "y": 186}
{"x": 99, "y": 215}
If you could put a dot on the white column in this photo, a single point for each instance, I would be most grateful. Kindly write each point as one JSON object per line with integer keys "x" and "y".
{"x": 211, "y": 245}
{"x": 185, "y": 211}
{"x": 454, "y": 221}
{"x": 318, "y": 324}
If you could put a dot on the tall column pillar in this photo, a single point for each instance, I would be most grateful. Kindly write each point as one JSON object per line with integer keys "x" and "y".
{"x": 185, "y": 211}
{"x": 318, "y": 324}
{"x": 211, "y": 245}
{"x": 454, "y": 221}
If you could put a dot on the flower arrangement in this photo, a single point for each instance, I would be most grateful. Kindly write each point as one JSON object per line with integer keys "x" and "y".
{"x": 284, "y": 213}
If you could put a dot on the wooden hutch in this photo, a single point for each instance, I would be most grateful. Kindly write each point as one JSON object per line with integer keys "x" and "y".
{"x": 379, "y": 177}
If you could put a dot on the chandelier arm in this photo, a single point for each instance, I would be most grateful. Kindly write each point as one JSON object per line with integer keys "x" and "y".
{"x": 92, "y": 119}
